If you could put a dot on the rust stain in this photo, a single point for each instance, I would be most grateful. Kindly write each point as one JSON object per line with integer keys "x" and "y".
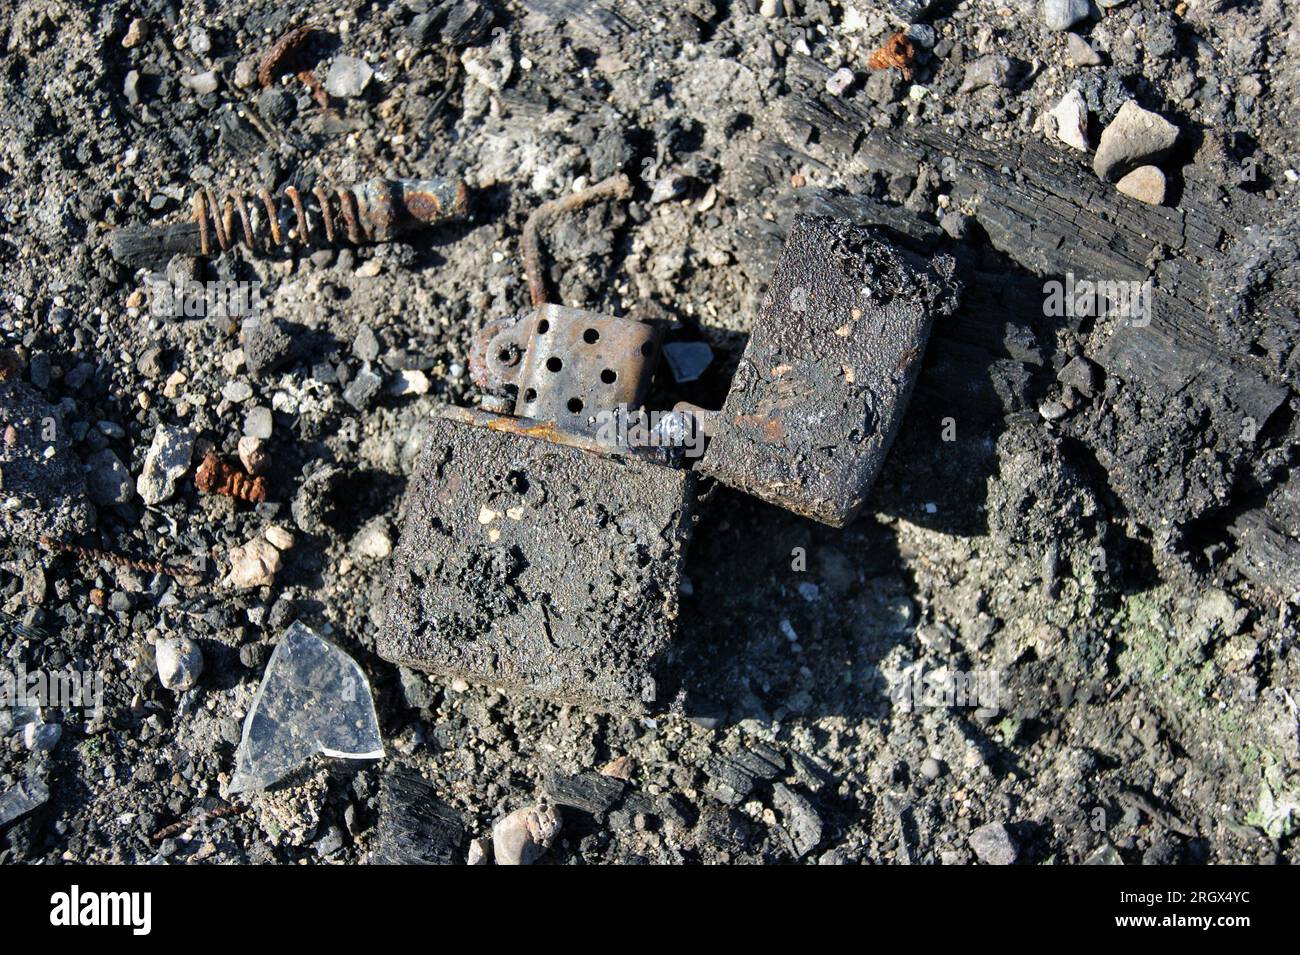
{"x": 896, "y": 51}
{"x": 768, "y": 427}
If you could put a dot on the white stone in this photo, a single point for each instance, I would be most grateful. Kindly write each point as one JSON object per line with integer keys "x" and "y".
{"x": 522, "y": 836}
{"x": 180, "y": 661}
{"x": 254, "y": 565}
{"x": 1071, "y": 115}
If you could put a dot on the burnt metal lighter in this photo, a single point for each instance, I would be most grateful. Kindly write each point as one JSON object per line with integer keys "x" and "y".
{"x": 542, "y": 548}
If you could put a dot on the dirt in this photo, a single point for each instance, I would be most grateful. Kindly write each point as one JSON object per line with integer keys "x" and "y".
{"x": 1050, "y": 527}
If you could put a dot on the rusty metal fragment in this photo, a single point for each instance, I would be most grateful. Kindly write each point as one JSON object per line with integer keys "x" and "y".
{"x": 284, "y": 54}
{"x": 215, "y": 476}
{"x": 828, "y": 369}
{"x": 379, "y": 210}
{"x": 567, "y": 365}
{"x": 615, "y": 187}
{"x": 896, "y": 52}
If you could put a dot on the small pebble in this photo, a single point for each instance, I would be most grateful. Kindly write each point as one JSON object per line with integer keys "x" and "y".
{"x": 1071, "y": 115}
{"x": 257, "y": 423}
{"x": 279, "y": 537}
{"x": 1135, "y": 137}
{"x": 41, "y": 737}
{"x": 1063, "y": 14}
{"x": 237, "y": 391}
{"x": 253, "y": 454}
{"x": 254, "y": 565}
{"x": 994, "y": 845}
{"x": 521, "y": 837}
{"x": 1080, "y": 51}
{"x": 180, "y": 661}
{"x": 839, "y": 81}
{"x": 1145, "y": 183}
{"x": 347, "y": 77}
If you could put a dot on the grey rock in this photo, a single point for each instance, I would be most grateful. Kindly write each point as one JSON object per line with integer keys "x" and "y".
{"x": 922, "y": 35}
{"x": 180, "y": 662}
{"x": 480, "y": 852}
{"x": 363, "y": 389}
{"x": 314, "y": 500}
{"x": 994, "y": 844}
{"x": 1135, "y": 137}
{"x": 1063, "y": 14}
{"x": 1071, "y": 115}
{"x": 200, "y": 40}
{"x": 956, "y": 224}
{"x": 1106, "y": 854}
{"x": 21, "y": 799}
{"x": 41, "y": 737}
{"x": 521, "y": 837}
{"x": 669, "y": 187}
{"x": 258, "y": 423}
{"x": 38, "y": 369}
{"x": 81, "y": 373}
{"x": 1080, "y": 51}
{"x": 839, "y": 81}
{"x": 931, "y": 768}
{"x": 201, "y": 83}
{"x": 166, "y": 460}
{"x": 417, "y": 693}
{"x": 330, "y": 842}
{"x": 150, "y": 363}
{"x": 883, "y": 86}
{"x": 108, "y": 482}
{"x": 992, "y": 70}
{"x": 366, "y": 345}
{"x": 267, "y": 345}
{"x": 276, "y": 106}
{"x": 237, "y": 391}
{"x": 348, "y": 77}
{"x": 1079, "y": 374}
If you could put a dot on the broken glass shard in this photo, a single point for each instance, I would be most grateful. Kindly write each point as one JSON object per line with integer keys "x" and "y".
{"x": 314, "y": 698}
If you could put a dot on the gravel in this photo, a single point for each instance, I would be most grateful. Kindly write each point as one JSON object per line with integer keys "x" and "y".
{"x": 1074, "y": 549}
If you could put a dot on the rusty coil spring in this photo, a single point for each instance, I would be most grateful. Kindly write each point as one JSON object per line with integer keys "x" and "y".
{"x": 216, "y": 218}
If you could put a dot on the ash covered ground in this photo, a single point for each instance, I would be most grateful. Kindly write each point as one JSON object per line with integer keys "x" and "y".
{"x": 1100, "y": 513}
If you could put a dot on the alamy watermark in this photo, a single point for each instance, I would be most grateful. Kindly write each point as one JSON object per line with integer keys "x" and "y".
{"x": 60, "y": 689}
{"x": 1098, "y": 298}
{"x": 622, "y": 428}
{"x": 191, "y": 299}
{"x": 913, "y": 688}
